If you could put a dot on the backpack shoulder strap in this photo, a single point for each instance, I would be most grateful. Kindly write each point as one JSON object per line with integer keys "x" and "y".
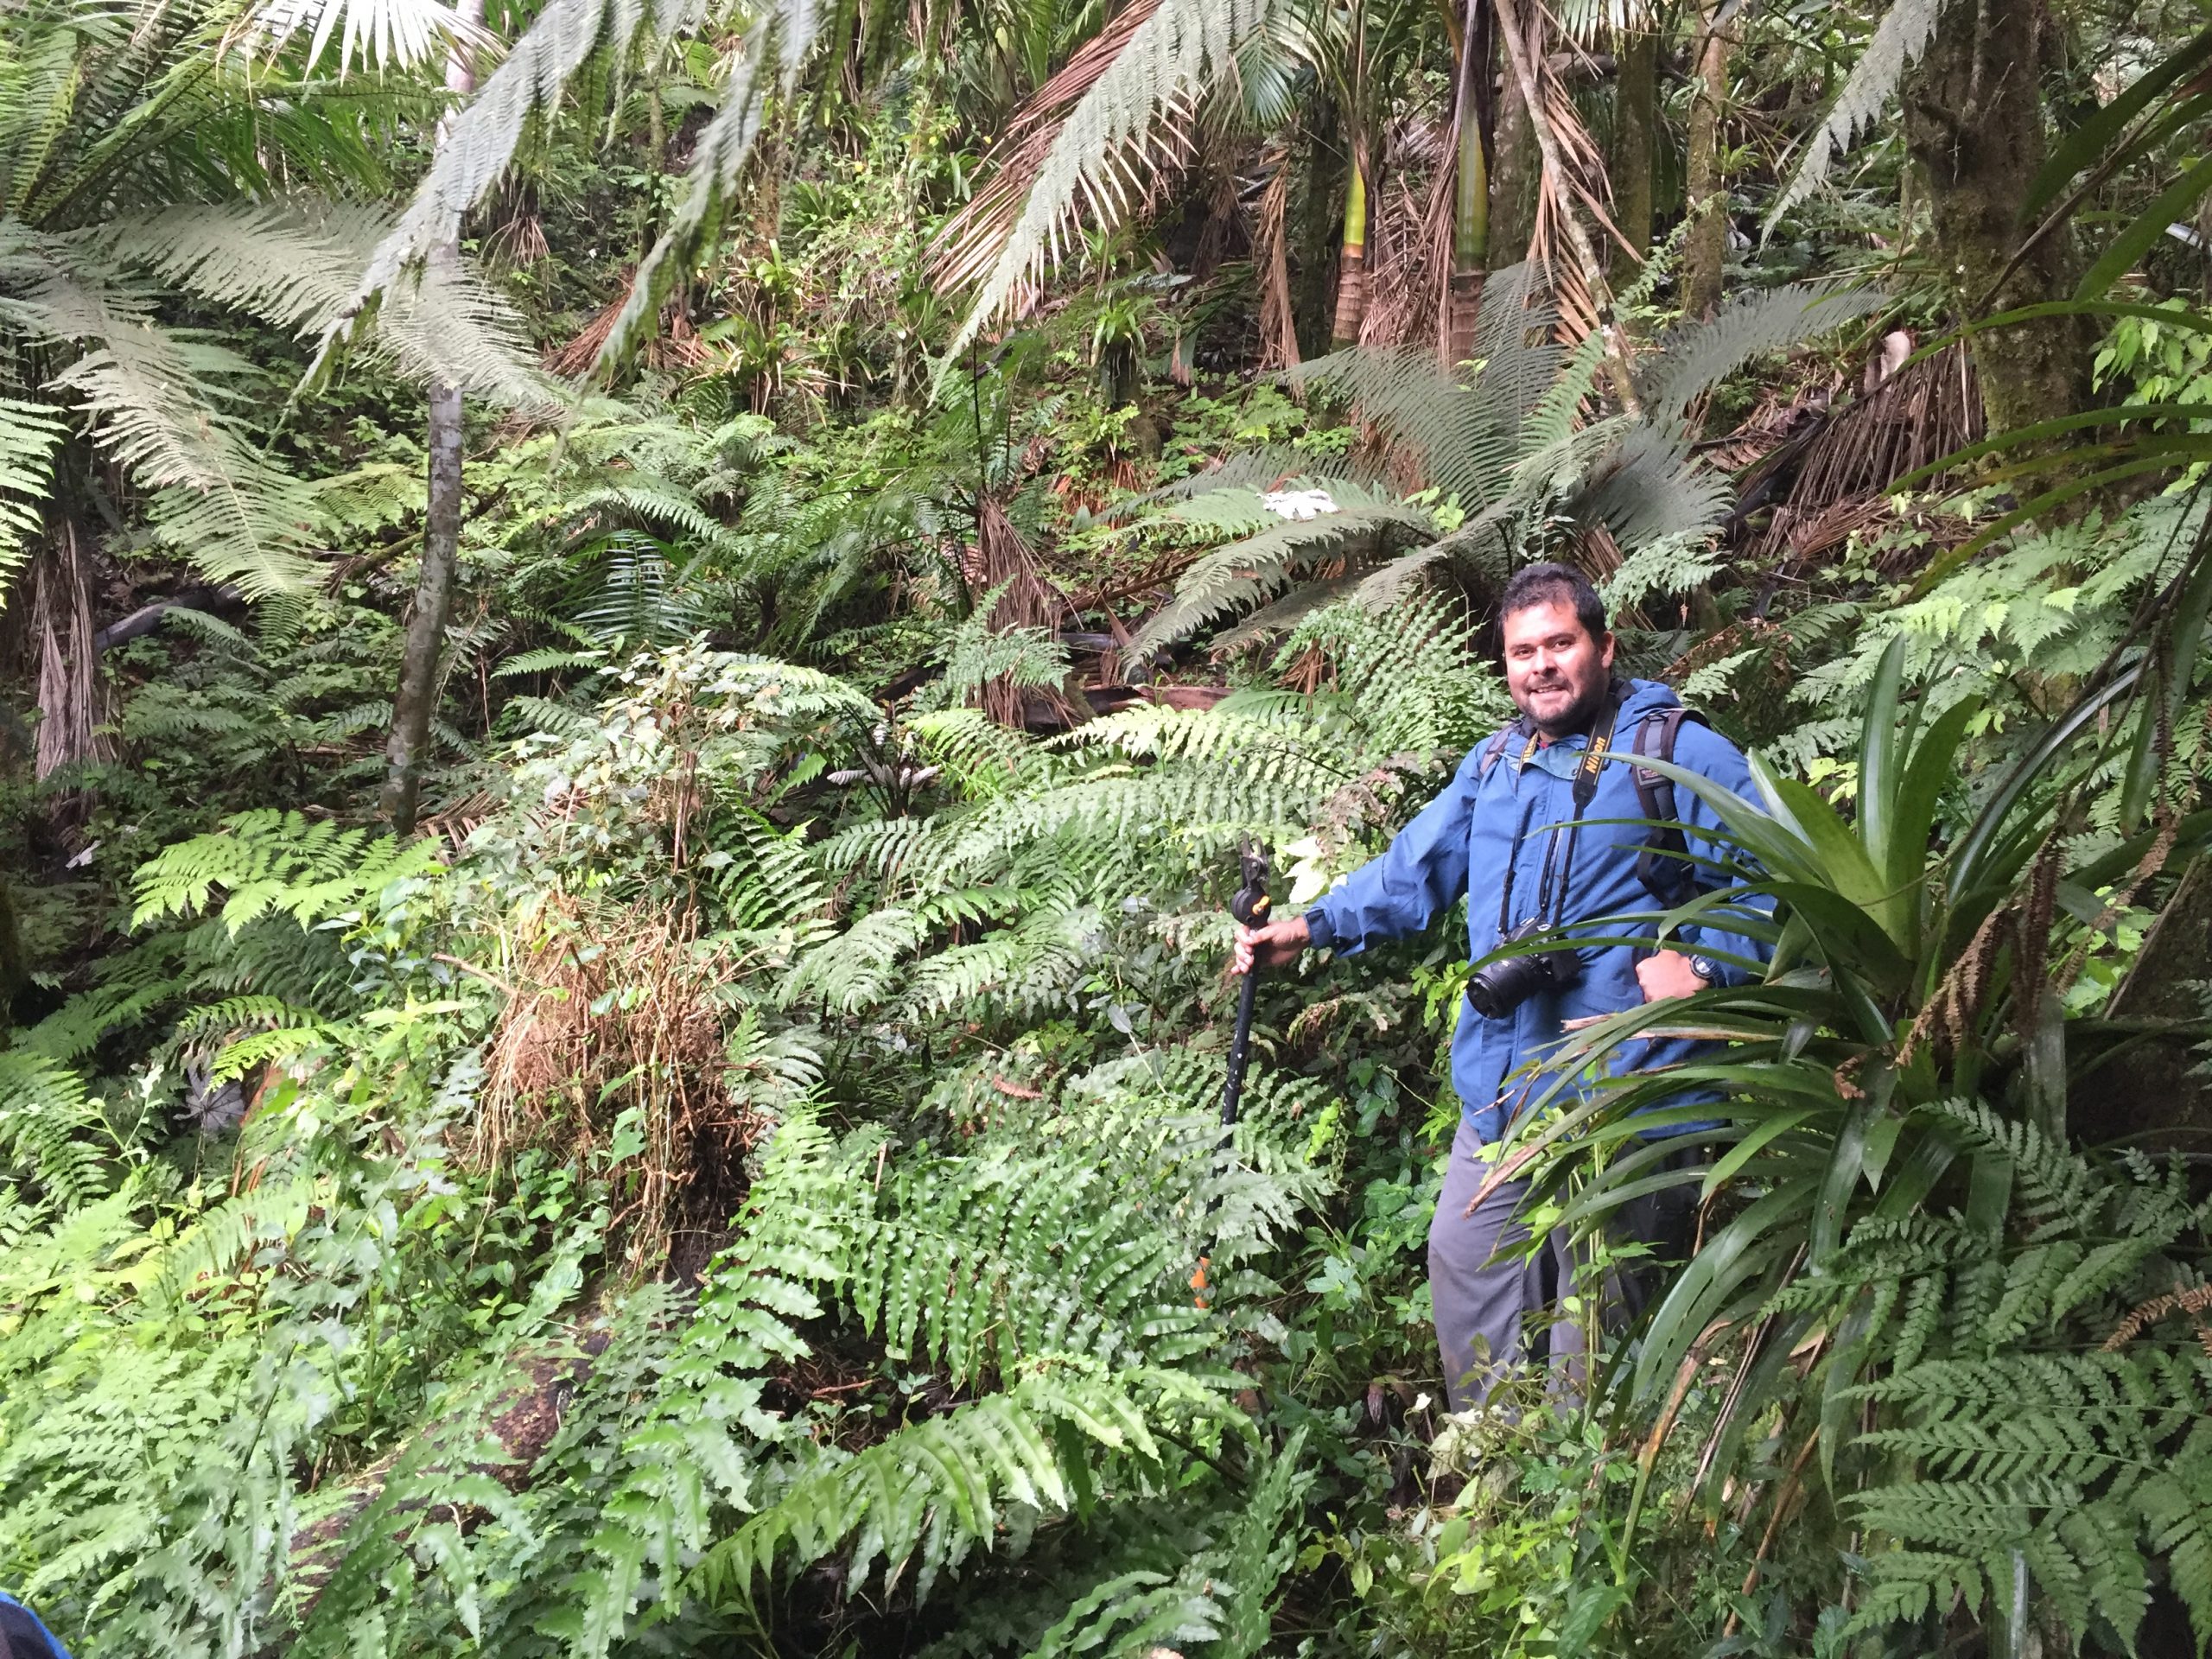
{"x": 1665, "y": 874}
{"x": 1495, "y": 747}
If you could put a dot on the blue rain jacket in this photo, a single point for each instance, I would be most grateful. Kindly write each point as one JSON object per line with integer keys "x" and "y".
{"x": 1463, "y": 844}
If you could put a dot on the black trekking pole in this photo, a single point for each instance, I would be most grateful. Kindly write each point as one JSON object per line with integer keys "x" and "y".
{"x": 1250, "y": 907}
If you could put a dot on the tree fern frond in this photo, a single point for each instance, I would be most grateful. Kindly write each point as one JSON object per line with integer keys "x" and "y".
{"x": 1899, "y": 39}
{"x": 154, "y": 399}
{"x": 1168, "y": 61}
{"x": 295, "y": 263}
{"x": 1261, "y": 566}
{"x": 1696, "y": 356}
{"x": 394, "y": 33}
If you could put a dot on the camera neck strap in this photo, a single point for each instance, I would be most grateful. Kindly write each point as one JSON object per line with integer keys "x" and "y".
{"x": 1550, "y": 901}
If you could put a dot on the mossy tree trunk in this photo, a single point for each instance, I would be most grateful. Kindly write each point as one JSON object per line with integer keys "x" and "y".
{"x": 1974, "y": 125}
{"x": 1704, "y": 251}
{"x": 1636, "y": 135}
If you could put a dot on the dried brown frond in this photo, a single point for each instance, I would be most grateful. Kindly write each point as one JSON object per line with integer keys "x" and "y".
{"x": 2194, "y": 1301}
{"x": 519, "y": 242}
{"x": 1001, "y": 559}
{"x": 1947, "y": 1018}
{"x": 1271, "y": 258}
{"x": 1579, "y": 184}
{"x": 613, "y": 1013}
{"x": 1829, "y": 477}
{"x": 1409, "y": 247}
{"x": 674, "y": 345}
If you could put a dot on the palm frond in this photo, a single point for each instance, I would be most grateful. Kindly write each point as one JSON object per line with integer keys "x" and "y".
{"x": 964, "y": 250}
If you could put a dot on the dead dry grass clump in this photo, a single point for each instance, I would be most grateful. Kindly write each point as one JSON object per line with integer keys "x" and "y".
{"x": 615, "y": 1028}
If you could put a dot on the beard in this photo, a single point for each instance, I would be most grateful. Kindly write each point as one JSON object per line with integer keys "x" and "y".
{"x": 1576, "y": 716}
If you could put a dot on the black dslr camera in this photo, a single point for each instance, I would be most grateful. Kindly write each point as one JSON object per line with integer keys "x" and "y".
{"x": 1498, "y": 988}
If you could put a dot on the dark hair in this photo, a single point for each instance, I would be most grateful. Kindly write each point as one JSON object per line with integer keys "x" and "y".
{"x": 1553, "y": 583}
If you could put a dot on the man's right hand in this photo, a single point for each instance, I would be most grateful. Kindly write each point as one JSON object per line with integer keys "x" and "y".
{"x": 1272, "y": 946}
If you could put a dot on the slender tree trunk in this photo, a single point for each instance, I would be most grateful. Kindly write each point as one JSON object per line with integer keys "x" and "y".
{"x": 1471, "y": 197}
{"x": 1351, "y": 258}
{"x": 1516, "y": 166}
{"x": 15, "y": 967}
{"x": 1974, "y": 125}
{"x": 417, "y": 698}
{"x": 1635, "y": 134}
{"x": 1314, "y": 234}
{"x": 1705, "y": 249}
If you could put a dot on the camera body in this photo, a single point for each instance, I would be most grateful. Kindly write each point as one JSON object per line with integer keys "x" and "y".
{"x": 1498, "y": 988}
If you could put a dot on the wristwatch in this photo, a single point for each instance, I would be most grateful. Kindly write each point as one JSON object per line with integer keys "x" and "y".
{"x": 1706, "y": 969}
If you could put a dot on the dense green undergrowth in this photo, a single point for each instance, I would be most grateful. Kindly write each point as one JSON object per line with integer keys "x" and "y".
{"x": 742, "y": 1171}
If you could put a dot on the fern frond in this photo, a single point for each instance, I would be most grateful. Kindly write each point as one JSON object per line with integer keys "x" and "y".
{"x": 29, "y": 433}
{"x": 1169, "y": 59}
{"x": 1696, "y": 356}
{"x": 271, "y": 861}
{"x": 48, "y": 1126}
{"x": 1899, "y": 39}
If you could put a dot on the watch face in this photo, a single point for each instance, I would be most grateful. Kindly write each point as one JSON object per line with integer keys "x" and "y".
{"x": 1704, "y": 968}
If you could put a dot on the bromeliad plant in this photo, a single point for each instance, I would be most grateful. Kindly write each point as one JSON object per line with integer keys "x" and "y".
{"x": 1890, "y": 1324}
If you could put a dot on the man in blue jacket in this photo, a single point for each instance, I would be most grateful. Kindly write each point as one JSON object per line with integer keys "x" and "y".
{"x": 1522, "y": 832}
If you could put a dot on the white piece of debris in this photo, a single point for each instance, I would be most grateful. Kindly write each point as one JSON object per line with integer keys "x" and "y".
{"x": 1298, "y": 504}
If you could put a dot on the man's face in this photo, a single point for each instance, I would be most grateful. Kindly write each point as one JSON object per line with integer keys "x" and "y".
{"x": 1556, "y": 672}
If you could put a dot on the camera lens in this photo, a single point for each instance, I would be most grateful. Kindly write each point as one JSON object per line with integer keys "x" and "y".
{"x": 1502, "y": 987}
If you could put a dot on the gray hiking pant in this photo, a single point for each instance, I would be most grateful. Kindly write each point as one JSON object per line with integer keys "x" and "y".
{"x": 1494, "y": 1301}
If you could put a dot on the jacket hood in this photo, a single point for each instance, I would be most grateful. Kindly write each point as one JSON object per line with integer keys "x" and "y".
{"x": 1646, "y": 697}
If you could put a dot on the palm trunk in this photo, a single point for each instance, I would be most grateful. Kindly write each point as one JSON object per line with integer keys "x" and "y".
{"x": 417, "y": 698}
{"x": 1515, "y": 167}
{"x": 1974, "y": 125}
{"x": 1705, "y": 247}
{"x": 1471, "y": 199}
{"x": 1351, "y": 260}
{"x": 1636, "y": 122}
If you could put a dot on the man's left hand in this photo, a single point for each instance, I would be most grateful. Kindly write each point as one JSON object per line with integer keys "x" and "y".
{"x": 1668, "y": 973}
